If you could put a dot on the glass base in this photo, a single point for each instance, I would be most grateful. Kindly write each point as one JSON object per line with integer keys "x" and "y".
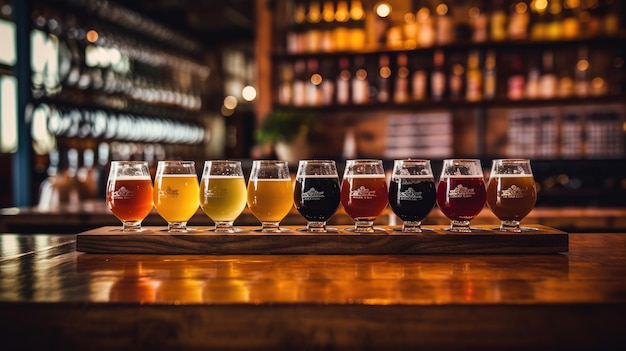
{"x": 270, "y": 227}
{"x": 460, "y": 226}
{"x": 225, "y": 227}
{"x": 131, "y": 226}
{"x": 513, "y": 227}
{"x": 177, "y": 227}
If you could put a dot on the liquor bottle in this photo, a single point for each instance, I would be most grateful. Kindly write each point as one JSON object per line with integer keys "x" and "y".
{"x": 419, "y": 80}
{"x": 424, "y": 16}
{"x": 299, "y": 83}
{"x": 554, "y": 26}
{"x": 438, "y": 77}
{"x": 315, "y": 14}
{"x": 313, "y": 83}
{"x": 516, "y": 81}
{"x": 384, "y": 73}
{"x": 497, "y": 21}
{"x": 328, "y": 17}
{"x": 285, "y": 88}
{"x": 566, "y": 84}
{"x": 538, "y": 18}
{"x": 328, "y": 85}
{"x": 356, "y": 10}
{"x": 410, "y": 30}
{"x": 343, "y": 81}
{"x": 314, "y": 34}
{"x": 357, "y": 35}
{"x": 295, "y": 34}
{"x": 548, "y": 82}
{"x": 360, "y": 84}
{"x": 455, "y": 81}
{"x": 479, "y": 22}
{"x": 571, "y": 23}
{"x": 342, "y": 14}
{"x": 518, "y": 21}
{"x": 611, "y": 17}
{"x": 444, "y": 24}
{"x": 401, "y": 86}
{"x": 490, "y": 77}
{"x": 474, "y": 78}
{"x": 581, "y": 75}
{"x": 531, "y": 90}
{"x": 328, "y": 11}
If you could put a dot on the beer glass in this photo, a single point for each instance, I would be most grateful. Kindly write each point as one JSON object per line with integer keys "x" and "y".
{"x": 129, "y": 193}
{"x": 316, "y": 194}
{"x": 364, "y": 193}
{"x": 176, "y": 193}
{"x": 511, "y": 192}
{"x": 223, "y": 193}
{"x": 412, "y": 192}
{"x": 461, "y": 192}
{"x": 270, "y": 193}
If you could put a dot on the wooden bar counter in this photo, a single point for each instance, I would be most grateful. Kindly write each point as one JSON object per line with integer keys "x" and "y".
{"x": 53, "y": 297}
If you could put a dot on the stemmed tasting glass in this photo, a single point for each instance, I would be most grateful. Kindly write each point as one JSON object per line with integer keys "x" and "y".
{"x": 129, "y": 193}
{"x": 270, "y": 193}
{"x": 176, "y": 193}
{"x": 511, "y": 192}
{"x": 223, "y": 193}
{"x": 412, "y": 192}
{"x": 316, "y": 193}
{"x": 364, "y": 193}
{"x": 461, "y": 192}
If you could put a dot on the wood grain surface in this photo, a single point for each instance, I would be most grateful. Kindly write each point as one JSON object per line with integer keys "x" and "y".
{"x": 436, "y": 240}
{"x": 53, "y": 297}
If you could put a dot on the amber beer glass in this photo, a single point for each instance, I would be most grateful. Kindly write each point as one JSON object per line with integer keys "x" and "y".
{"x": 316, "y": 194}
{"x": 461, "y": 192}
{"x": 223, "y": 193}
{"x": 364, "y": 193}
{"x": 270, "y": 193}
{"x": 412, "y": 192}
{"x": 176, "y": 193}
{"x": 511, "y": 192}
{"x": 129, "y": 193}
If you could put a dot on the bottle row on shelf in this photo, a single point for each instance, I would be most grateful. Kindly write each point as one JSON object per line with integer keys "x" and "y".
{"x": 327, "y": 26}
{"x": 594, "y": 132}
{"x": 50, "y": 122}
{"x": 75, "y": 54}
{"x": 477, "y": 75}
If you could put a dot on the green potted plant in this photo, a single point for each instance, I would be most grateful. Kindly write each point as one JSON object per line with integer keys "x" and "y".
{"x": 287, "y": 130}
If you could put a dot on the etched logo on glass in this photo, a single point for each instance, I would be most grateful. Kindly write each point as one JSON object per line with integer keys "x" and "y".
{"x": 312, "y": 195}
{"x": 410, "y": 195}
{"x": 513, "y": 192}
{"x": 123, "y": 194}
{"x": 461, "y": 192}
{"x": 363, "y": 193}
{"x": 168, "y": 192}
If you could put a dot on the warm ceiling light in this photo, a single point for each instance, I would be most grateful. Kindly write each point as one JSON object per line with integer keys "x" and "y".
{"x": 92, "y": 36}
{"x": 383, "y": 9}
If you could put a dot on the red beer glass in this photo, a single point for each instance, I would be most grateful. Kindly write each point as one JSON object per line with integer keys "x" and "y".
{"x": 364, "y": 193}
{"x": 129, "y": 193}
{"x": 461, "y": 193}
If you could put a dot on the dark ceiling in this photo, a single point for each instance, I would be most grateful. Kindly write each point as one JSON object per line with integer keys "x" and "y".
{"x": 210, "y": 22}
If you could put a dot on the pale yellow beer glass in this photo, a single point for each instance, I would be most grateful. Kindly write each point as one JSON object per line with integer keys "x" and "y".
{"x": 223, "y": 193}
{"x": 176, "y": 193}
{"x": 270, "y": 193}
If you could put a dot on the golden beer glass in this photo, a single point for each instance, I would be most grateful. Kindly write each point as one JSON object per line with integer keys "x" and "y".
{"x": 223, "y": 193}
{"x": 176, "y": 193}
{"x": 129, "y": 193}
{"x": 270, "y": 193}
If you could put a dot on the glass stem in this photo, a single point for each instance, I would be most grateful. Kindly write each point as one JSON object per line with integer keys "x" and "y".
{"x": 412, "y": 226}
{"x": 270, "y": 227}
{"x": 177, "y": 227}
{"x": 364, "y": 226}
{"x": 317, "y": 227}
{"x": 510, "y": 226}
{"x": 460, "y": 226}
